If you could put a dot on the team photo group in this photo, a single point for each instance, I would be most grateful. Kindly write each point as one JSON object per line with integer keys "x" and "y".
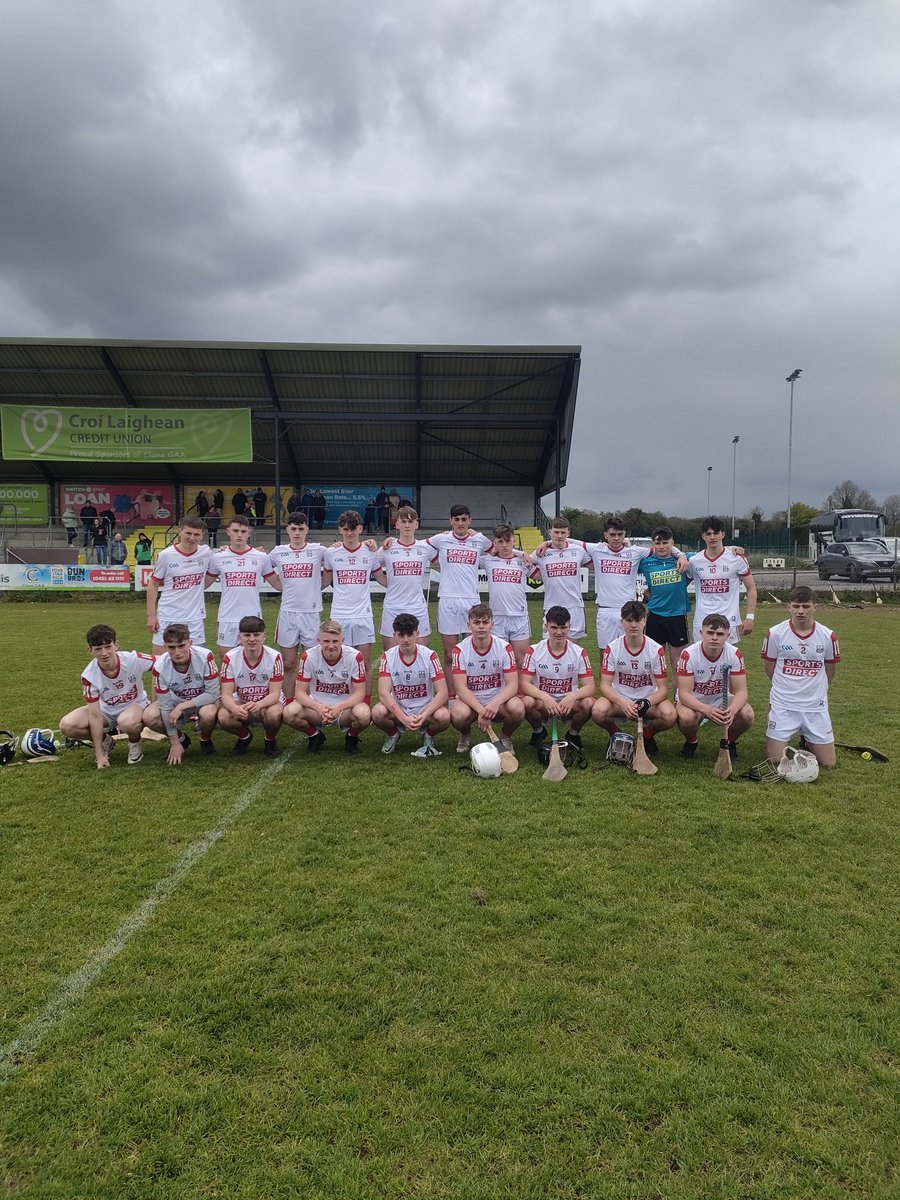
{"x": 660, "y": 668}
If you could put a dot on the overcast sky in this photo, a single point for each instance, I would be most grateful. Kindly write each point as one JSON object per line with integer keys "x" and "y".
{"x": 703, "y": 194}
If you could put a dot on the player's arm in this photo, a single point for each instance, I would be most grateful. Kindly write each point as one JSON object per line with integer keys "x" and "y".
{"x": 739, "y": 695}
{"x": 510, "y": 691}
{"x": 357, "y": 696}
{"x": 153, "y": 586}
{"x": 273, "y": 579}
{"x": 608, "y": 692}
{"x": 463, "y": 692}
{"x": 302, "y": 696}
{"x": 586, "y": 691}
{"x": 750, "y": 585}
{"x": 380, "y": 577}
{"x": 272, "y": 697}
{"x": 95, "y": 725}
{"x": 230, "y": 701}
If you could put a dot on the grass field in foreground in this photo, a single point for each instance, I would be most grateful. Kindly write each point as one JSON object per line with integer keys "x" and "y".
{"x": 389, "y": 979}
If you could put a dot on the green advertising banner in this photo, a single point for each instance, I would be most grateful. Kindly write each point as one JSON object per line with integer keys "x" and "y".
{"x": 219, "y": 435}
{"x": 24, "y": 504}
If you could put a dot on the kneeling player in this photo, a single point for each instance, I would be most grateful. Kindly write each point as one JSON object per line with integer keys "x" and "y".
{"x": 634, "y": 670}
{"x": 412, "y": 690}
{"x": 186, "y": 681}
{"x": 114, "y": 697}
{"x": 557, "y": 680}
{"x": 487, "y": 682}
{"x": 701, "y": 668}
{"x": 331, "y": 690}
{"x": 252, "y": 674}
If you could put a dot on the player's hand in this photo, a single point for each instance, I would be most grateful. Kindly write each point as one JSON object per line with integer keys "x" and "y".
{"x": 387, "y": 543}
{"x": 489, "y": 712}
{"x": 153, "y": 624}
{"x": 564, "y": 706}
{"x": 631, "y": 709}
{"x": 102, "y": 761}
{"x": 541, "y": 550}
{"x": 719, "y": 716}
{"x": 176, "y": 753}
{"x": 528, "y": 560}
{"x": 484, "y": 724}
{"x": 371, "y": 544}
{"x": 682, "y": 563}
{"x": 747, "y": 628}
{"x": 413, "y": 723}
{"x": 179, "y": 711}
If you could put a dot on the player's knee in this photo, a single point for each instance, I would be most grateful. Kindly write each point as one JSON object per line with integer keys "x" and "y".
{"x": 362, "y": 715}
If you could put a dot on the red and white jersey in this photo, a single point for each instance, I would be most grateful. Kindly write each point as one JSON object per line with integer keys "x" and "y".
{"x": 506, "y": 584}
{"x": 200, "y": 675}
{"x": 799, "y": 680}
{"x": 615, "y": 572}
{"x": 412, "y": 683}
{"x": 484, "y": 673}
{"x": 251, "y": 680}
{"x": 300, "y": 572}
{"x": 240, "y": 573}
{"x": 561, "y": 572}
{"x": 407, "y": 569}
{"x": 351, "y": 571}
{"x": 706, "y": 673}
{"x": 182, "y": 580}
{"x": 635, "y": 676}
{"x": 115, "y": 692}
{"x": 458, "y": 564}
{"x": 717, "y": 585}
{"x": 329, "y": 682}
{"x": 557, "y": 675}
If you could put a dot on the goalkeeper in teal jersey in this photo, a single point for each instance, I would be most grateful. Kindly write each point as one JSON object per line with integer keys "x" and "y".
{"x": 666, "y": 594}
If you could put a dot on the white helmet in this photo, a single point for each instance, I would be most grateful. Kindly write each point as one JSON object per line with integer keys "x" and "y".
{"x": 38, "y": 743}
{"x": 485, "y": 760}
{"x": 798, "y": 766}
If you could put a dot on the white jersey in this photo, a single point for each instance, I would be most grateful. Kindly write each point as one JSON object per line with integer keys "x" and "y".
{"x": 115, "y": 692}
{"x": 615, "y": 572}
{"x": 799, "y": 680}
{"x": 329, "y": 682}
{"x": 635, "y": 676}
{"x": 240, "y": 573}
{"x": 351, "y": 571}
{"x": 251, "y": 680}
{"x": 458, "y": 564}
{"x": 693, "y": 663}
{"x": 717, "y": 585}
{"x": 200, "y": 675}
{"x": 506, "y": 584}
{"x": 560, "y": 571}
{"x": 484, "y": 673}
{"x": 182, "y": 580}
{"x": 300, "y": 572}
{"x": 406, "y": 568}
{"x": 557, "y": 675}
{"x": 412, "y": 683}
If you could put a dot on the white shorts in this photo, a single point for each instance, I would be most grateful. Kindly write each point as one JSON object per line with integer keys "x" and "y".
{"x": 577, "y": 625}
{"x": 609, "y": 626}
{"x": 227, "y": 634}
{"x": 198, "y": 633}
{"x": 111, "y": 716}
{"x": 388, "y": 615}
{"x": 514, "y": 629}
{"x": 453, "y": 615}
{"x": 357, "y": 633}
{"x": 815, "y": 725}
{"x": 297, "y": 629}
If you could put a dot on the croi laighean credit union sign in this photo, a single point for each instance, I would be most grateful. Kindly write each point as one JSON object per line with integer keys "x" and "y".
{"x": 51, "y": 433}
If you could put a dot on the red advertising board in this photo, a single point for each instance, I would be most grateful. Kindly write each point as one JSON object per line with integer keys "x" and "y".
{"x": 134, "y": 504}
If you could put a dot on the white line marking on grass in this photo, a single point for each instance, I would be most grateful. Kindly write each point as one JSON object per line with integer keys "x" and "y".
{"x": 15, "y": 1053}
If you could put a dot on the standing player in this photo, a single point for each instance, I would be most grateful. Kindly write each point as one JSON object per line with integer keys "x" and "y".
{"x": 114, "y": 697}
{"x": 351, "y": 565}
{"x": 298, "y": 565}
{"x": 458, "y": 553}
{"x": 240, "y": 567}
{"x": 403, "y": 573}
{"x": 666, "y": 595}
{"x": 557, "y": 680}
{"x": 634, "y": 678}
{"x": 507, "y": 571}
{"x": 718, "y": 573}
{"x": 331, "y": 690}
{"x": 176, "y": 589}
{"x": 700, "y": 686}
{"x": 252, "y": 673}
{"x": 412, "y": 690}
{"x": 615, "y": 577}
{"x": 487, "y": 682}
{"x": 186, "y": 682}
{"x": 558, "y": 563}
{"x": 800, "y": 657}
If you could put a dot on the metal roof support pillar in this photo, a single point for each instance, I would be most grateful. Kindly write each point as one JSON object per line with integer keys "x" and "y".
{"x": 558, "y": 465}
{"x": 418, "y": 479}
{"x": 277, "y": 479}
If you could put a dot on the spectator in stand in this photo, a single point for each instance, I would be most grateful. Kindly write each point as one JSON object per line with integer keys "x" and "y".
{"x": 118, "y": 551}
{"x": 100, "y": 540}
{"x": 109, "y": 518}
{"x": 143, "y": 550}
{"x": 369, "y": 516}
{"x": 383, "y": 512}
{"x": 202, "y": 505}
{"x": 295, "y": 504}
{"x": 320, "y": 508}
{"x": 260, "y": 500}
{"x": 218, "y": 500}
{"x": 88, "y": 514}
{"x": 239, "y": 502}
{"x": 70, "y": 525}
{"x": 213, "y": 521}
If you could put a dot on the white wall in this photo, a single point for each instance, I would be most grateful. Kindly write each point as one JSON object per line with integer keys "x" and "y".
{"x": 484, "y": 502}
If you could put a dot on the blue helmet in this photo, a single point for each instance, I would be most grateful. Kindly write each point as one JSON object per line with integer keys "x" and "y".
{"x": 38, "y": 743}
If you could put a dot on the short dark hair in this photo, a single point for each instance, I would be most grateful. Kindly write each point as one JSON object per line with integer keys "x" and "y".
{"x": 298, "y": 517}
{"x": 504, "y": 530}
{"x": 407, "y": 513}
{"x": 406, "y": 623}
{"x": 663, "y": 532}
{"x": 559, "y": 523}
{"x": 557, "y": 615}
{"x": 634, "y": 610}
{"x": 613, "y": 523}
{"x": 190, "y": 523}
{"x": 460, "y": 510}
{"x": 238, "y": 519}
{"x": 715, "y": 621}
{"x": 480, "y": 611}
{"x": 349, "y": 519}
{"x": 802, "y": 594}
{"x": 100, "y": 635}
{"x": 252, "y": 625}
{"x": 712, "y": 525}
{"x": 176, "y": 633}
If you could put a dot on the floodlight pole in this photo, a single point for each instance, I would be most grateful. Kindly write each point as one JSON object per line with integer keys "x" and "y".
{"x": 734, "y": 442}
{"x": 708, "y": 486}
{"x": 791, "y": 379}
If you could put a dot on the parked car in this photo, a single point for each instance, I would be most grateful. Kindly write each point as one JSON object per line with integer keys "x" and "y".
{"x": 857, "y": 560}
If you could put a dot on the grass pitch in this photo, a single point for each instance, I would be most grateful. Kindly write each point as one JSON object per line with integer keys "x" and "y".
{"x": 380, "y": 977}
